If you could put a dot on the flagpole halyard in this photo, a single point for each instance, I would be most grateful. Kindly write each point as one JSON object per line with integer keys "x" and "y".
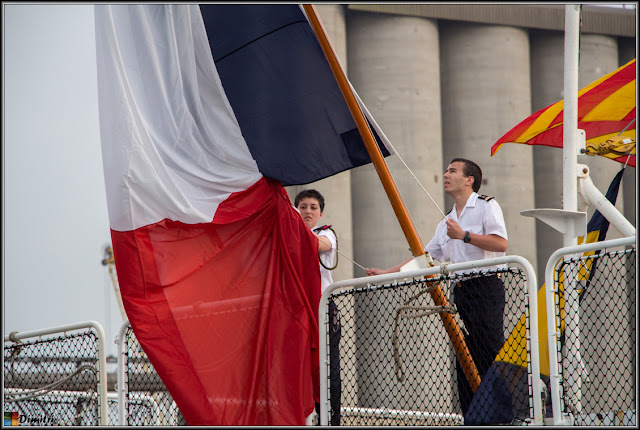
{"x": 416, "y": 246}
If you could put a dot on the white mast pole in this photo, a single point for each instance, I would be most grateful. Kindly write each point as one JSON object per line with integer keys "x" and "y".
{"x": 572, "y": 359}
{"x": 570, "y": 135}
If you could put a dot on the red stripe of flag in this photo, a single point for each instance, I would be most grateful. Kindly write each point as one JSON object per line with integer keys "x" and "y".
{"x": 551, "y": 134}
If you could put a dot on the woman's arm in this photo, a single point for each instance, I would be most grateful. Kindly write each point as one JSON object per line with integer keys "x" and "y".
{"x": 324, "y": 244}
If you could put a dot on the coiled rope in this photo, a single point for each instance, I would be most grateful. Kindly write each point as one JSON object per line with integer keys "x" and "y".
{"x": 41, "y": 391}
{"x": 411, "y": 312}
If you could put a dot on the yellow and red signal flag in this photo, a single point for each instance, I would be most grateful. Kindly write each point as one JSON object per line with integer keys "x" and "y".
{"x": 606, "y": 111}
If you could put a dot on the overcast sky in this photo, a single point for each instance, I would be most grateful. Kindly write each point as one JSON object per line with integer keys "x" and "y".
{"x": 55, "y": 222}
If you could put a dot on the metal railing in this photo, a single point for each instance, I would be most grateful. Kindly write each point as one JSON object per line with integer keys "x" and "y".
{"x": 554, "y": 334}
{"x": 531, "y": 288}
{"x": 145, "y": 390}
{"x": 157, "y": 413}
{"x": 100, "y": 360}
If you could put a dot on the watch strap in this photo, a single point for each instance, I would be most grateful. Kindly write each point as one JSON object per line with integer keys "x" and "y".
{"x": 467, "y": 237}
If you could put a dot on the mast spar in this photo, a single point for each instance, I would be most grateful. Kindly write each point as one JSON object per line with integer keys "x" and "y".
{"x": 408, "y": 228}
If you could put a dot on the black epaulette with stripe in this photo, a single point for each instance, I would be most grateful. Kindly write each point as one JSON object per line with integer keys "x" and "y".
{"x": 324, "y": 227}
{"x": 485, "y": 198}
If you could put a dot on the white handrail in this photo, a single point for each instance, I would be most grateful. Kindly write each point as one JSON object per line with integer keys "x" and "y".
{"x": 532, "y": 290}
{"x": 570, "y": 145}
{"x": 395, "y": 413}
{"x": 122, "y": 408}
{"x": 552, "y": 333}
{"x": 593, "y": 197}
{"x": 101, "y": 362}
{"x": 60, "y": 395}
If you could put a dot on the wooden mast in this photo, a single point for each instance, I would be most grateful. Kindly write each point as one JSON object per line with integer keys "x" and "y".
{"x": 417, "y": 248}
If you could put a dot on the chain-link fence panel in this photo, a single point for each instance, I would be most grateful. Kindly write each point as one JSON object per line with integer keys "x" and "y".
{"x": 391, "y": 360}
{"x": 147, "y": 398}
{"x": 53, "y": 381}
{"x": 597, "y": 348}
{"x": 112, "y": 398}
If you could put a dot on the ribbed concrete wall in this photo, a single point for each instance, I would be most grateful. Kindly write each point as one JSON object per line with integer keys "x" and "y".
{"x": 611, "y": 21}
{"x": 485, "y": 92}
{"x": 393, "y": 63}
{"x": 394, "y": 66}
{"x": 442, "y": 89}
{"x": 598, "y": 56}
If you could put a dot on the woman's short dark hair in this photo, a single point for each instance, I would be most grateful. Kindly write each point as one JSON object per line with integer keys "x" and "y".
{"x": 310, "y": 193}
{"x": 471, "y": 169}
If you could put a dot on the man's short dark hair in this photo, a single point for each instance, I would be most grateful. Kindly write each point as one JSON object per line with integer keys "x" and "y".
{"x": 471, "y": 169}
{"x": 310, "y": 193}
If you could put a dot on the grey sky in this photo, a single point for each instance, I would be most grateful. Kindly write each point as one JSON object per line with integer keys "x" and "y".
{"x": 55, "y": 221}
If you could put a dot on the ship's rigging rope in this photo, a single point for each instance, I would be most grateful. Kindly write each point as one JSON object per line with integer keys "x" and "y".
{"x": 363, "y": 268}
{"x": 338, "y": 251}
{"x": 410, "y": 311}
{"x": 423, "y": 189}
{"x": 628, "y": 156}
{"x": 417, "y": 180}
{"x": 41, "y": 391}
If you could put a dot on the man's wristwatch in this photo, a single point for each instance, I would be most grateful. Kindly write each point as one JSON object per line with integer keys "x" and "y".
{"x": 467, "y": 238}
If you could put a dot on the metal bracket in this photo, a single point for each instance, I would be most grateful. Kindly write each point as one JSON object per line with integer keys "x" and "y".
{"x": 420, "y": 262}
{"x": 566, "y": 222}
{"x": 581, "y": 144}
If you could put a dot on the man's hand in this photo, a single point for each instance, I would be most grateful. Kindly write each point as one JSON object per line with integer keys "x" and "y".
{"x": 487, "y": 242}
{"x": 454, "y": 231}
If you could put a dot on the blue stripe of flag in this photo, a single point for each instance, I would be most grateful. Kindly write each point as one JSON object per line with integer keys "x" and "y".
{"x": 286, "y": 100}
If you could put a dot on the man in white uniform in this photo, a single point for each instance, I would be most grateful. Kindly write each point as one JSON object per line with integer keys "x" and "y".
{"x": 310, "y": 204}
{"x": 473, "y": 230}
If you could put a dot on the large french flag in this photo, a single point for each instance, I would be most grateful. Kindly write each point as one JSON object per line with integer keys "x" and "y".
{"x": 206, "y": 112}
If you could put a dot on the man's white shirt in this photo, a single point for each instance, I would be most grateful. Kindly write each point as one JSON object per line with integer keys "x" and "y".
{"x": 478, "y": 216}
